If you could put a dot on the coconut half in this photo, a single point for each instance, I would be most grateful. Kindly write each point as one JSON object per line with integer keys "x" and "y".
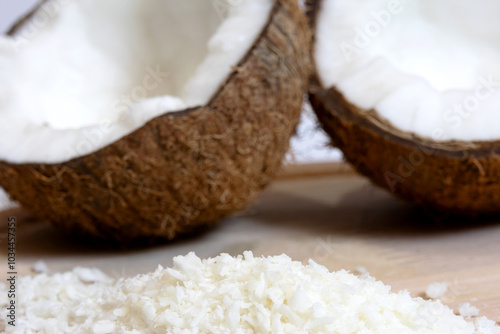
{"x": 409, "y": 91}
{"x": 125, "y": 119}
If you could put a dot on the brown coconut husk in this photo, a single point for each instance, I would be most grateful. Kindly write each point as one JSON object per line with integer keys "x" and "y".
{"x": 449, "y": 177}
{"x": 184, "y": 169}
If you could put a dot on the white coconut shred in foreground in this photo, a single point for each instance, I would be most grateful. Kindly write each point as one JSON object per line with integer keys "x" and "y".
{"x": 84, "y": 73}
{"x": 228, "y": 294}
{"x": 429, "y": 67}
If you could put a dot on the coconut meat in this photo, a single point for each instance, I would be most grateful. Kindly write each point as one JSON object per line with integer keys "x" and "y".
{"x": 84, "y": 73}
{"x": 428, "y": 67}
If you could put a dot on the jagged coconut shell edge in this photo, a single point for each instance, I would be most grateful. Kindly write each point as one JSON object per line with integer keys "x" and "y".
{"x": 184, "y": 169}
{"x": 449, "y": 177}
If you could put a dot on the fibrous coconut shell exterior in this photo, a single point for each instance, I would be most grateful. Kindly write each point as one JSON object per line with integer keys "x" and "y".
{"x": 183, "y": 169}
{"x": 450, "y": 177}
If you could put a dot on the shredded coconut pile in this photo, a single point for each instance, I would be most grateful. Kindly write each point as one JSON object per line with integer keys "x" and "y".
{"x": 227, "y": 295}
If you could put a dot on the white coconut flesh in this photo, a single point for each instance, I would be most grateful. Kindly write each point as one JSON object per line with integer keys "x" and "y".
{"x": 428, "y": 67}
{"x": 84, "y": 73}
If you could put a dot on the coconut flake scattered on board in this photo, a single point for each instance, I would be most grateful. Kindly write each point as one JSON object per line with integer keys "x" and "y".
{"x": 360, "y": 270}
{"x": 92, "y": 275}
{"x": 40, "y": 267}
{"x": 436, "y": 290}
{"x": 227, "y": 294}
{"x": 467, "y": 310}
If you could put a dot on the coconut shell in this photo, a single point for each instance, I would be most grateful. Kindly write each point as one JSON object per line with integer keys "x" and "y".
{"x": 449, "y": 177}
{"x": 185, "y": 169}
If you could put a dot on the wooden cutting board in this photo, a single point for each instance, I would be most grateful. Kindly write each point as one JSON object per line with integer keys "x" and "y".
{"x": 337, "y": 219}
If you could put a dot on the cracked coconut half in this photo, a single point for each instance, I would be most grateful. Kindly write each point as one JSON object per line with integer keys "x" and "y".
{"x": 126, "y": 119}
{"x": 410, "y": 91}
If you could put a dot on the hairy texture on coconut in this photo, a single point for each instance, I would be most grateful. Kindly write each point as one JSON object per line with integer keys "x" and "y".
{"x": 188, "y": 168}
{"x": 451, "y": 177}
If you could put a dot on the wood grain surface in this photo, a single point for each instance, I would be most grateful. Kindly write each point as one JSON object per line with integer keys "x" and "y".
{"x": 340, "y": 221}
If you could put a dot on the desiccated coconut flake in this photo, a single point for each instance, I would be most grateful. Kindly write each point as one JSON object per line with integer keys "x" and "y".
{"x": 467, "y": 310}
{"x": 91, "y": 275}
{"x": 40, "y": 267}
{"x": 227, "y": 294}
{"x": 436, "y": 290}
{"x": 360, "y": 270}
